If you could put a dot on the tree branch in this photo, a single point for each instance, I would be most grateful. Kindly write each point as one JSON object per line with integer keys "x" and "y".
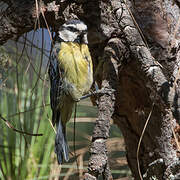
{"x": 98, "y": 163}
{"x": 143, "y": 77}
{"x": 21, "y": 17}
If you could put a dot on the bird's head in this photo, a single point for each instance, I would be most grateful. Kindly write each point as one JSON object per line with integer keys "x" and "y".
{"x": 73, "y": 31}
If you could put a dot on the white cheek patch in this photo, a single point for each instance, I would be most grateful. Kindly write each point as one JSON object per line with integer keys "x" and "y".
{"x": 67, "y": 35}
{"x": 81, "y": 27}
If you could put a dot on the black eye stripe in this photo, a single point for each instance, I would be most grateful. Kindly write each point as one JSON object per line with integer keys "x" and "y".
{"x": 73, "y": 29}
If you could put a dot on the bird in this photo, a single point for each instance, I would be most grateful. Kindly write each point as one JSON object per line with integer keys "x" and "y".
{"x": 71, "y": 77}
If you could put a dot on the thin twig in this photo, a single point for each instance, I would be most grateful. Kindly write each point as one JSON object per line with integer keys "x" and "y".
{"x": 9, "y": 125}
{"x": 140, "y": 140}
{"x": 17, "y": 91}
{"x": 37, "y": 15}
{"x": 46, "y": 70}
{"x": 74, "y": 136}
{"x": 22, "y": 52}
{"x": 141, "y": 33}
{"x": 29, "y": 59}
{"x": 136, "y": 24}
{"x": 46, "y": 24}
{"x": 50, "y": 122}
{"x": 29, "y": 110}
{"x": 30, "y": 43}
{"x": 40, "y": 67}
{"x": 27, "y": 69}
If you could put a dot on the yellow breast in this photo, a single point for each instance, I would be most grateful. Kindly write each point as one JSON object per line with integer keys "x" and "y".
{"x": 75, "y": 61}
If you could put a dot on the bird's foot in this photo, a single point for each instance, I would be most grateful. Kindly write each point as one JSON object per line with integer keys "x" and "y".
{"x": 98, "y": 92}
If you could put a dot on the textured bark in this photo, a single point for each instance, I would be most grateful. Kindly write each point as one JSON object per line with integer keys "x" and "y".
{"x": 135, "y": 54}
{"x": 98, "y": 163}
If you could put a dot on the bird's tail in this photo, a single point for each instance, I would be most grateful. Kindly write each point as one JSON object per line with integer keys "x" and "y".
{"x": 61, "y": 146}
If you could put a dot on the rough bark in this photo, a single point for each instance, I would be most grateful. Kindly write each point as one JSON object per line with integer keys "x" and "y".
{"x": 98, "y": 163}
{"x": 137, "y": 55}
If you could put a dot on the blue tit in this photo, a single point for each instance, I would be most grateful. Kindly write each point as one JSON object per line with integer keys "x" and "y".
{"x": 71, "y": 77}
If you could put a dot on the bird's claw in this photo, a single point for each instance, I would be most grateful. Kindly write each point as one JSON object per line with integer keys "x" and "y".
{"x": 98, "y": 92}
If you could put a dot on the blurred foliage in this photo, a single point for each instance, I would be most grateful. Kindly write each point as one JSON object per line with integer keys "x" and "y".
{"x": 22, "y": 153}
{"x": 24, "y": 95}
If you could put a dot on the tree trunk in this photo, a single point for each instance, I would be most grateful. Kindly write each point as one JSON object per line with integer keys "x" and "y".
{"x": 136, "y": 51}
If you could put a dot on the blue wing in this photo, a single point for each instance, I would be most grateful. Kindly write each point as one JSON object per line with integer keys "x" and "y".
{"x": 56, "y": 97}
{"x": 56, "y": 84}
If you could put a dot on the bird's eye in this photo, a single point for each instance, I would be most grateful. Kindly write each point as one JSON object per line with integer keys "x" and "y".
{"x": 70, "y": 28}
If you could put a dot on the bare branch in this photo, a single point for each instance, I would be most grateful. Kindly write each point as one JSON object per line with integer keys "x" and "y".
{"x": 98, "y": 163}
{"x": 9, "y": 125}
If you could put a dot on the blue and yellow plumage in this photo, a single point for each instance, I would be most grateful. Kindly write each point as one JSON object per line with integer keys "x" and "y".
{"x": 71, "y": 77}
